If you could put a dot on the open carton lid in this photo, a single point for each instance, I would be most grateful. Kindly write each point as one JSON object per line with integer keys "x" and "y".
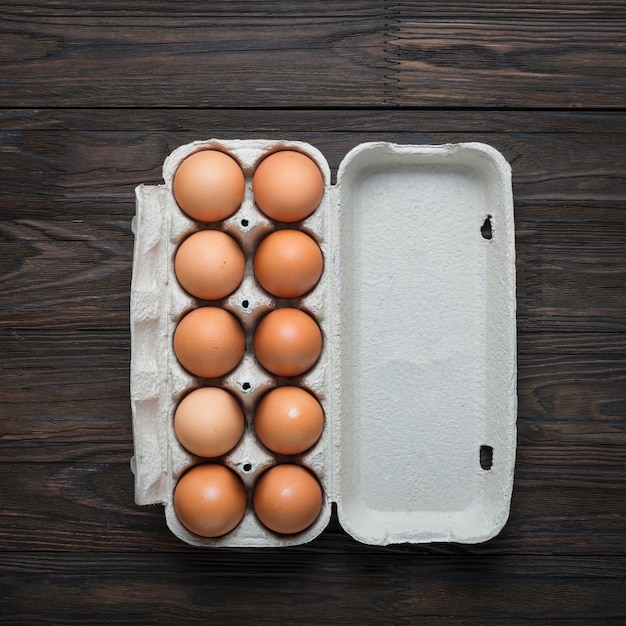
{"x": 418, "y": 372}
{"x": 425, "y": 400}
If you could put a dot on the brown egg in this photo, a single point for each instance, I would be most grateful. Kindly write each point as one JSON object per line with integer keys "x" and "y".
{"x": 288, "y": 263}
{"x": 209, "y": 185}
{"x": 209, "y": 422}
{"x": 289, "y": 420}
{"x": 209, "y": 264}
{"x": 287, "y": 186}
{"x": 287, "y": 498}
{"x": 209, "y": 342}
{"x": 210, "y": 500}
{"x": 287, "y": 342}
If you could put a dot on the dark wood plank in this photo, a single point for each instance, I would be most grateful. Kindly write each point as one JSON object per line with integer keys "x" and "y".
{"x": 227, "y": 588}
{"x": 570, "y": 267}
{"x": 504, "y": 9}
{"x": 204, "y": 123}
{"x": 65, "y": 274}
{"x": 387, "y": 58}
{"x": 177, "y": 61}
{"x": 608, "y": 9}
{"x": 513, "y": 63}
{"x": 66, "y": 396}
{"x": 87, "y": 504}
{"x": 571, "y": 399}
{"x": 605, "y": 344}
{"x": 199, "y": 8}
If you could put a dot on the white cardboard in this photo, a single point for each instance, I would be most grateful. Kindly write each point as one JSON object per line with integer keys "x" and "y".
{"x": 418, "y": 368}
{"x": 426, "y": 312}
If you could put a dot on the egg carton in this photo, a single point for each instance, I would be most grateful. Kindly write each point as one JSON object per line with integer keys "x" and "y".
{"x": 417, "y": 375}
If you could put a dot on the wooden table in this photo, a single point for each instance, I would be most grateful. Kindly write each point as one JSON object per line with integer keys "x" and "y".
{"x": 94, "y": 96}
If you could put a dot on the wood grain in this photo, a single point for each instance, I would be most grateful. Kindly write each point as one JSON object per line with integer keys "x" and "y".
{"x": 206, "y": 122}
{"x": 385, "y": 57}
{"x": 65, "y": 395}
{"x": 608, "y": 9}
{"x": 95, "y": 95}
{"x": 491, "y": 62}
{"x": 75, "y": 274}
{"x": 185, "y": 62}
{"x": 402, "y": 592}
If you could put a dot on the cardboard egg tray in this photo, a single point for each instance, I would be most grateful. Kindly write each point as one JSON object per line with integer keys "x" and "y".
{"x": 417, "y": 375}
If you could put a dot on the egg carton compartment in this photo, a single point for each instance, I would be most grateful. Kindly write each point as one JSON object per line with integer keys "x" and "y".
{"x": 249, "y": 381}
{"x": 417, "y": 375}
